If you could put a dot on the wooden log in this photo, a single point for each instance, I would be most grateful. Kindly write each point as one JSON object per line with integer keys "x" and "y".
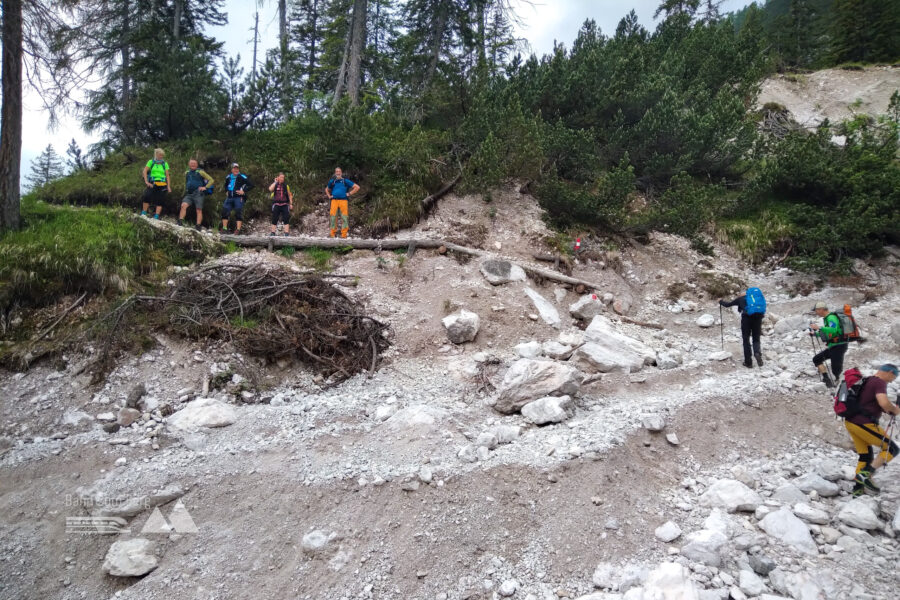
{"x": 426, "y": 204}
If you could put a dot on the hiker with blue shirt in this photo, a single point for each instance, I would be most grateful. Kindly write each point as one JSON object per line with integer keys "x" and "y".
{"x": 752, "y": 307}
{"x": 236, "y": 187}
{"x": 156, "y": 177}
{"x": 196, "y": 183}
{"x": 339, "y": 191}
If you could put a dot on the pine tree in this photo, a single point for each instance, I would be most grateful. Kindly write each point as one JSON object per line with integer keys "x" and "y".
{"x": 76, "y": 160}
{"x": 46, "y": 167}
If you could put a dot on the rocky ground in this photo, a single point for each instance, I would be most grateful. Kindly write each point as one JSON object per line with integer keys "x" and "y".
{"x": 595, "y": 447}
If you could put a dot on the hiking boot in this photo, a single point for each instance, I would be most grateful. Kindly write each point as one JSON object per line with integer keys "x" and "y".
{"x": 826, "y": 379}
{"x": 199, "y": 227}
{"x": 285, "y": 234}
{"x": 759, "y": 360}
{"x": 272, "y": 234}
{"x": 748, "y": 363}
{"x": 864, "y": 478}
{"x": 156, "y": 216}
{"x": 179, "y": 222}
{"x": 858, "y": 490}
{"x": 144, "y": 213}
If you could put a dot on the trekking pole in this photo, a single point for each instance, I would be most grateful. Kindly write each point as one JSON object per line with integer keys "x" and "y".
{"x": 721, "y": 327}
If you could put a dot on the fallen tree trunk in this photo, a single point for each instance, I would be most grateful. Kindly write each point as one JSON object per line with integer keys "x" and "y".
{"x": 427, "y": 203}
{"x": 186, "y": 237}
{"x": 394, "y": 244}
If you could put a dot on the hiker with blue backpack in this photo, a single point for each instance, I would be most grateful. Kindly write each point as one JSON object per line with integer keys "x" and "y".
{"x": 236, "y": 187}
{"x": 752, "y": 306}
{"x": 197, "y": 184}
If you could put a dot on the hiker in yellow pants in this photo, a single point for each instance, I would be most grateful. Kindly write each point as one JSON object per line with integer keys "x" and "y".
{"x": 338, "y": 191}
{"x": 865, "y": 431}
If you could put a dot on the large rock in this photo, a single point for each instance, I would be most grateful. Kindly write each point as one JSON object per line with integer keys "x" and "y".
{"x": 669, "y": 359}
{"x": 529, "y": 379}
{"x": 811, "y": 514}
{"x": 587, "y": 307}
{"x": 597, "y": 358}
{"x": 461, "y": 326}
{"x": 417, "y": 418}
{"x": 706, "y": 320}
{"x": 556, "y": 350}
{"x": 203, "y": 412}
{"x": 815, "y": 482}
{"x": 704, "y": 546}
{"x": 548, "y": 410}
{"x": 529, "y": 349}
{"x": 547, "y": 311}
{"x": 750, "y": 583}
{"x": 732, "y": 495}
{"x": 601, "y": 331}
{"x": 895, "y": 332}
{"x": 789, "y": 494}
{"x": 787, "y": 528}
{"x": 792, "y": 324}
{"x": 861, "y": 513}
{"x": 131, "y": 558}
{"x": 498, "y": 272}
{"x": 670, "y": 581}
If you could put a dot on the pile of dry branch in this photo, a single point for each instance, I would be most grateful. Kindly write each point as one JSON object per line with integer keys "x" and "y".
{"x": 275, "y": 313}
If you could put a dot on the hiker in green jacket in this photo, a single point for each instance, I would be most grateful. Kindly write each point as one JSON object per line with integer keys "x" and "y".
{"x": 156, "y": 177}
{"x": 832, "y": 334}
{"x": 196, "y": 183}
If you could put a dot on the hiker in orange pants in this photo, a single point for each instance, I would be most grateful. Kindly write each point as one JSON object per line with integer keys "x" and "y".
{"x": 338, "y": 191}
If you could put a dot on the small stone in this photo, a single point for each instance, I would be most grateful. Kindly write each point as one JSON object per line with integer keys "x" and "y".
{"x": 810, "y": 514}
{"x": 130, "y": 558}
{"x": 750, "y": 583}
{"x": 672, "y": 439}
{"x": 706, "y": 320}
{"x": 529, "y": 349}
{"x": 316, "y": 541}
{"x": 762, "y": 564}
{"x": 548, "y": 410}
{"x": 508, "y": 588}
{"x": 668, "y": 532}
{"x": 462, "y": 326}
{"x": 654, "y": 423}
{"x": 127, "y": 416}
{"x": 121, "y": 461}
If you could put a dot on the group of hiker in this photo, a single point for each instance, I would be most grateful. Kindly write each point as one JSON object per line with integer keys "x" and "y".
{"x": 860, "y": 401}
{"x": 198, "y": 184}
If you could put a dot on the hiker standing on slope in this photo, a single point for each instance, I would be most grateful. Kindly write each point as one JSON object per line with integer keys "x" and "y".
{"x": 236, "y": 186}
{"x": 865, "y": 430}
{"x": 282, "y": 204}
{"x": 156, "y": 177}
{"x": 832, "y": 334}
{"x": 752, "y": 307}
{"x": 338, "y": 191}
{"x": 196, "y": 182}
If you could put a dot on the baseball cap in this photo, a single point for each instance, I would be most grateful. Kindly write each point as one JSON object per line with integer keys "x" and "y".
{"x": 819, "y": 305}
{"x": 233, "y": 165}
{"x": 889, "y": 368}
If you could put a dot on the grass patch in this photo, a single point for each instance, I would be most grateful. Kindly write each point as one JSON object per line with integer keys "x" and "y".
{"x": 719, "y": 285}
{"x": 288, "y": 251}
{"x": 319, "y": 258}
{"x": 65, "y": 250}
{"x": 757, "y": 236}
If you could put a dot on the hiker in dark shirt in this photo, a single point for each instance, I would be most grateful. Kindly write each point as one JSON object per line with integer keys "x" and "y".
{"x": 751, "y": 326}
{"x": 865, "y": 431}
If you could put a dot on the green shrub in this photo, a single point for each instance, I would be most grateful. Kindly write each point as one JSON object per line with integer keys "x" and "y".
{"x": 64, "y": 250}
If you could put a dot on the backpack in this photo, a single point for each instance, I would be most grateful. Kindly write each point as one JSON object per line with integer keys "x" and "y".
{"x": 846, "y": 399}
{"x": 756, "y": 302}
{"x": 153, "y": 163}
{"x": 849, "y": 329}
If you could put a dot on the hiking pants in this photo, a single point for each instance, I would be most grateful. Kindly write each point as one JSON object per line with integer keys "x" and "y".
{"x": 866, "y": 436}
{"x": 751, "y": 325}
{"x": 339, "y": 204}
{"x": 236, "y": 204}
{"x": 836, "y": 354}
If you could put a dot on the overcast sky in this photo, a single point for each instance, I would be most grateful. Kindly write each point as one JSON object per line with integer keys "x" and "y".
{"x": 541, "y": 23}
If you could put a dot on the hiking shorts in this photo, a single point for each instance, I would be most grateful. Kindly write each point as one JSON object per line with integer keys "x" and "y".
{"x": 156, "y": 195}
{"x": 194, "y": 199}
{"x": 282, "y": 212}
{"x": 236, "y": 204}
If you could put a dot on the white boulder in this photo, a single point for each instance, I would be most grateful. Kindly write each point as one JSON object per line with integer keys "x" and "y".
{"x": 203, "y": 412}
{"x": 557, "y": 351}
{"x": 669, "y": 359}
{"x": 548, "y": 410}
{"x": 732, "y": 495}
{"x": 529, "y": 379}
{"x": 811, "y": 514}
{"x": 597, "y": 358}
{"x": 668, "y": 532}
{"x": 461, "y": 326}
{"x": 546, "y": 310}
{"x": 601, "y": 331}
{"x": 704, "y": 546}
{"x": 787, "y": 528}
{"x": 587, "y": 307}
{"x": 529, "y": 349}
{"x": 861, "y": 513}
{"x": 498, "y": 272}
{"x": 706, "y": 320}
{"x": 130, "y": 558}
{"x": 815, "y": 482}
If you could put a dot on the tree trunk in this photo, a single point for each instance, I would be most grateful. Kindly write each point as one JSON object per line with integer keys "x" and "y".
{"x": 255, "y": 47}
{"x": 357, "y": 46}
{"x": 437, "y": 42}
{"x": 342, "y": 73}
{"x": 481, "y": 41}
{"x": 311, "y": 62}
{"x": 126, "y": 69}
{"x": 176, "y": 25}
{"x": 11, "y": 117}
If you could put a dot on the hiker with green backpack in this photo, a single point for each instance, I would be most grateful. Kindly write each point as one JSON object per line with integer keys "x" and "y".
{"x": 836, "y": 331}
{"x": 156, "y": 177}
{"x": 752, "y": 306}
